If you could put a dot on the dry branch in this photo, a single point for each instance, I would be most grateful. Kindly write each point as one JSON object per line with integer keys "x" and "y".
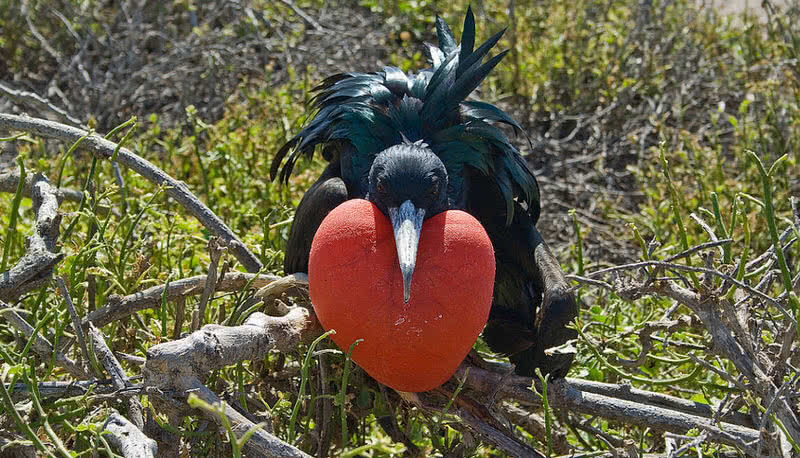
{"x": 57, "y": 390}
{"x": 62, "y": 287}
{"x": 118, "y": 377}
{"x": 36, "y": 101}
{"x": 626, "y": 392}
{"x": 128, "y": 439}
{"x": 105, "y": 149}
{"x": 573, "y": 396}
{"x": 179, "y": 365}
{"x": 122, "y": 306}
{"x": 35, "y": 268}
{"x": 564, "y": 396}
{"x": 9, "y": 181}
{"x": 215, "y": 250}
{"x": 40, "y": 345}
{"x": 214, "y": 346}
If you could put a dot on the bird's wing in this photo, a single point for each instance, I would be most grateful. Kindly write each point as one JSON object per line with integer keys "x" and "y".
{"x": 323, "y": 196}
{"x": 531, "y": 302}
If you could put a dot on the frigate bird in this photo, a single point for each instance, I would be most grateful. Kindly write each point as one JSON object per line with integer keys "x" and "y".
{"x": 414, "y": 145}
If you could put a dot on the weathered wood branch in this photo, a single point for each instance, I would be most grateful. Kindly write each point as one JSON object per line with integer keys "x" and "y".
{"x": 626, "y": 392}
{"x": 9, "y": 181}
{"x": 573, "y": 395}
{"x": 35, "y": 268}
{"x": 121, "y": 306}
{"x": 41, "y": 345}
{"x": 128, "y": 439}
{"x": 215, "y": 250}
{"x": 76, "y": 321}
{"x": 105, "y": 149}
{"x": 36, "y": 101}
{"x": 178, "y": 366}
{"x": 118, "y": 377}
{"x": 214, "y": 346}
{"x": 564, "y": 396}
{"x": 57, "y": 390}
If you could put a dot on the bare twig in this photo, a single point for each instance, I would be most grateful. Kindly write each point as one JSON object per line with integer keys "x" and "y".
{"x": 673, "y": 266}
{"x": 76, "y": 321}
{"x": 8, "y": 183}
{"x": 41, "y": 345}
{"x": 275, "y": 289}
{"x": 645, "y": 337}
{"x": 180, "y": 309}
{"x": 117, "y": 374}
{"x": 55, "y": 390}
{"x": 700, "y": 247}
{"x": 719, "y": 372}
{"x": 122, "y": 306}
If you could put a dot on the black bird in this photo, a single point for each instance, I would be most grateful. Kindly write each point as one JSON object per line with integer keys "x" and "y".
{"x": 414, "y": 146}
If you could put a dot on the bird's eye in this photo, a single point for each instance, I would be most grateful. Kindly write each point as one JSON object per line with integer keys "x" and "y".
{"x": 381, "y": 188}
{"x": 433, "y": 191}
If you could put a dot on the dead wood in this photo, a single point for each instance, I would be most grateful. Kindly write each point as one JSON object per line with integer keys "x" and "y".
{"x": 178, "y": 366}
{"x": 128, "y": 439}
{"x": 118, "y": 377}
{"x": 10, "y": 179}
{"x": 215, "y": 250}
{"x": 57, "y": 390}
{"x": 35, "y": 268}
{"x": 122, "y": 306}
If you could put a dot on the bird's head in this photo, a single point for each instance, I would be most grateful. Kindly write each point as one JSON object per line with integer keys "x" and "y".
{"x": 408, "y": 183}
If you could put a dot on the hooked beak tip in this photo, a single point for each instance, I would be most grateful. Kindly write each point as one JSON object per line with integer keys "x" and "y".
{"x": 407, "y": 224}
{"x": 407, "y": 271}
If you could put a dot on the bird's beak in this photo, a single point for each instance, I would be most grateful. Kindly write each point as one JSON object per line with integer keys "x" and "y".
{"x": 407, "y": 223}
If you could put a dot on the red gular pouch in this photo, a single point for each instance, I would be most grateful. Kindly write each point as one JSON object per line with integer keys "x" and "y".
{"x": 356, "y": 288}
